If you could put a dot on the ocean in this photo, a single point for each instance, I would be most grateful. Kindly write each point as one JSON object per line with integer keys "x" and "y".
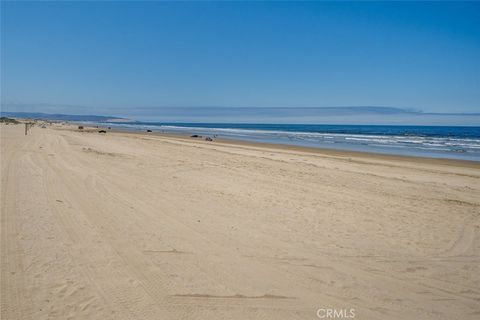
{"x": 423, "y": 141}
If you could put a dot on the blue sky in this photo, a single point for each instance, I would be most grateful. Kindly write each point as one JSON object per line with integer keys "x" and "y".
{"x": 114, "y": 57}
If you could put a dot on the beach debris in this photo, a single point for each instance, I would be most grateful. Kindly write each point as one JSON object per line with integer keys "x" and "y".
{"x": 208, "y": 139}
{"x": 149, "y": 130}
{"x": 102, "y": 131}
{"x": 195, "y": 136}
{"x": 80, "y": 127}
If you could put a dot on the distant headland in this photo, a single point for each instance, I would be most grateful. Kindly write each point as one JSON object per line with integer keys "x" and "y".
{"x": 65, "y": 117}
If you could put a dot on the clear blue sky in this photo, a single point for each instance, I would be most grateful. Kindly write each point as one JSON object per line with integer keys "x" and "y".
{"x": 111, "y": 55}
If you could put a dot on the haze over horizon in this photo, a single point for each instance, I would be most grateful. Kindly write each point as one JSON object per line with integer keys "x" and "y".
{"x": 360, "y": 115}
{"x": 139, "y": 59}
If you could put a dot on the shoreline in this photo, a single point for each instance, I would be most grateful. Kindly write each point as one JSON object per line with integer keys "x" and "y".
{"x": 288, "y": 147}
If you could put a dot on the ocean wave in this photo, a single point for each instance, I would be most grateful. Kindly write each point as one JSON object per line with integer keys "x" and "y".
{"x": 427, "y": 140}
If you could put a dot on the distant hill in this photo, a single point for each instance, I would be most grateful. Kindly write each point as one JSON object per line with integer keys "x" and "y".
{"x": 8, "y": 120}
{"x": 63, "y": 117}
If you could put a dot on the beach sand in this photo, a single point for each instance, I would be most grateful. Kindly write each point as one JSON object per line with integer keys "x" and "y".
{"x": 143, "y": 226}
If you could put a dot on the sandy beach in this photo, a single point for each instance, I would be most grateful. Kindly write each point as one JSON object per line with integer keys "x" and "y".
{"x": 142, "y": 226}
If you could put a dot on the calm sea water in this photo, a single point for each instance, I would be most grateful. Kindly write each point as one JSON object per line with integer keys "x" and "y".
{"x": 427, "y": 141}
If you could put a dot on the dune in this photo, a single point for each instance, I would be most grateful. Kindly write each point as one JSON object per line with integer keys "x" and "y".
{"x": 137, "y": 226}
